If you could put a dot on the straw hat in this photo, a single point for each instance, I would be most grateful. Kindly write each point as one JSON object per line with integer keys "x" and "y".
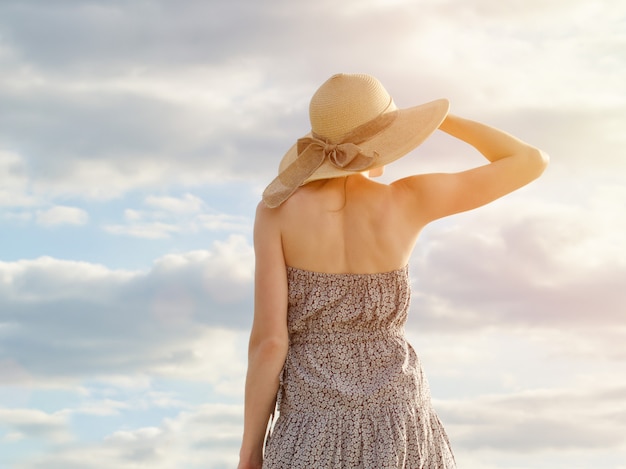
{"x": 355, "y": 126}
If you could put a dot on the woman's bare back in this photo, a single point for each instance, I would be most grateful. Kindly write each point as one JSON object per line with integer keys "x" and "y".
{"x": 346, "y": 225}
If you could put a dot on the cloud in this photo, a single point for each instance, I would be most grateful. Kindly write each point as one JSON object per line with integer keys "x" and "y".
{"x": 539, "y": 420}
{"x": 166, "y": 216}
{"x": 128, "y": 141}
{"x": 532, "y": 424}
{"x": 33, "y": 423}
{"x": 185, "y": 204}
{"x": 61, "y": 215}
{"x": 547, "y": 270}
{"x": 207, "y": 436}
{"x": 47, "y": 36}
{"x": 99, "y": 115}
{"x": 14, "y": 187}
{"x": 529, "y": 262}
{"x": 211, "y": 96}
{"x": 151, "y": 230}
{"x": 62, "y": 319}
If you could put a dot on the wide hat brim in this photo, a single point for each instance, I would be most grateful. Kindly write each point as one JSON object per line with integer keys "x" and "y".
{"x": 410, "y": 128}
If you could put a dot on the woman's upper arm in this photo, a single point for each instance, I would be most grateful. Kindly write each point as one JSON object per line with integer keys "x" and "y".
{"x": 433, "y": 196}
{"x": 270, "y": 279}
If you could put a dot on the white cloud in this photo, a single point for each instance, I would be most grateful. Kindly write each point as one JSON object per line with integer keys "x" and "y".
{"x": 49, "y": 280}
{"x": 167, "y": 216}
{"x": 222, "y": 222}
{"x": 151, "y": 230}
{"x": 529, "y": 262}
{"x": 188, "y": 203}
{"x": 61, "y": 215}
{"x": 151, "y": 124}
{"x": 524, "y": 427}
{"x": 205, "y": 437}
{"x": 102, "y": 117}
{"x": 65, "y": 318}
{"x": 539, "y": 420}
{"x": 34, "y": 423}
{"x": 218, "y": 358}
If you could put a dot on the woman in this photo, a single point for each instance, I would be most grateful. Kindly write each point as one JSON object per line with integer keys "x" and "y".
{"x": 327, "y": 348}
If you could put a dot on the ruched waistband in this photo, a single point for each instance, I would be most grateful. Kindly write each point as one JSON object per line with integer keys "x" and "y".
{"x": 344, "y": 336}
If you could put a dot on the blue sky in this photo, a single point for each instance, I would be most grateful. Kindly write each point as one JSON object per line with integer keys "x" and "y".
{"x": 136, "y": 138}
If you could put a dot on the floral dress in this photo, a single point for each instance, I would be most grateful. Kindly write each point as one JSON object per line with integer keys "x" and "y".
{"x": 352, "y": 392}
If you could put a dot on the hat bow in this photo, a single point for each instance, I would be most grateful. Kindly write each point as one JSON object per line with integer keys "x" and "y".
{"x": 312, "y": 151}
{"x": 346, "y": 156}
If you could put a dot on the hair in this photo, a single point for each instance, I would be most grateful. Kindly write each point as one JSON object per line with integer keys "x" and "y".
{"x": 345, "y": 195}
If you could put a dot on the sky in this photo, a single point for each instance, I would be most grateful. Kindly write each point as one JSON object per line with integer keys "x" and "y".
{"x": 136, "y": 138}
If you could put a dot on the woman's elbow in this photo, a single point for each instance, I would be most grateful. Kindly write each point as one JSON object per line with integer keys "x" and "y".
{"x": 537, "y": 161}
{"x": 270, "y": 348}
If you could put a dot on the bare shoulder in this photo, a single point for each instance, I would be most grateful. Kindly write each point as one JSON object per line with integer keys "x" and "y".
{"x": 264, "y": 212}
{"x": 265, "y": 217}
{"x": 409, "y": 195}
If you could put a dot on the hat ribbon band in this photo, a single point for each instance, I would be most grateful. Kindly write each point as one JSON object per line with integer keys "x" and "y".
{"x": 314, "y": 150}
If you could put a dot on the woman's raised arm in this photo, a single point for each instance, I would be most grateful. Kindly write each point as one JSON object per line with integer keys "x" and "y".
{"x": 513, "y": 164}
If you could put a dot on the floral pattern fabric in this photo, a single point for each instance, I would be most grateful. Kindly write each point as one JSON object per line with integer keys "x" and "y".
{"x": 352, "y": 391}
